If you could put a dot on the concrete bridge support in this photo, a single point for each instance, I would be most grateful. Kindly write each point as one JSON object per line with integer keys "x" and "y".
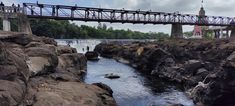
{"x": 176, "y": 31}
{"x": 227, "y": 33}
{"x": 6, "y": 24}
{"x": 232, "y": 32}
{"x": 24, "y": 24}
{"x": 217, "y": 34}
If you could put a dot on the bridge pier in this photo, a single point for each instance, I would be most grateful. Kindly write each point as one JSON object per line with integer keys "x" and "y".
{"x": 24, "y": 24}
{"x": 232, "y": 32}
{"x": 217, "y": 34}
{"x": 176, "y": 31}
{"x": 227, "y": 33}
{"x": 6, "y": 24}
{"x": 221, "y": 33}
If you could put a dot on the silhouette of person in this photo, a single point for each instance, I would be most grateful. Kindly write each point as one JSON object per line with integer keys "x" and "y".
{"x": 32, "y": 10}
{"x": 93, "y": 16}
{"x": 1, "y": 4}
{"x": 18, "y": 9}
{"x": 53, "y": 11}
{"x": 14, "y": 7}
{"x": 87, "y": 48}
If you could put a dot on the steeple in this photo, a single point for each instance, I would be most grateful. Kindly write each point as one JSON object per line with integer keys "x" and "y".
{"x": 202, "y": 4}
{"x": 202, "y": 11}
{"x": 199, "y": 31}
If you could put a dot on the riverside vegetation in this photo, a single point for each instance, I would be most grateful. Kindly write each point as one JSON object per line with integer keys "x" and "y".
{"x": 60, "y": 29}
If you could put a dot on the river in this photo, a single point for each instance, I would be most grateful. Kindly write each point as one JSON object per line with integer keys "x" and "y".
{"x": 132, "y": 88}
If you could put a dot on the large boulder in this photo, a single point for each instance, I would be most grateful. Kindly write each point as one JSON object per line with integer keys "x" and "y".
{"x": 34, "y": 71}
{"x": 74, "y": 63}
{"x": 105, "y": 87}
{"x": 92, "y": 55}
{"x": 18, "y": 38}
{"x": 35, "y": 44}
{"x": 45, "y": 40}
{"x": 42, "y": 60}
{"x": 108, "y": 50}
{"x": 14, "y": 75}
{"x": 12, "y": 92}
{"x": 65, "y": 50}
{"x": 154, "y": 58}
{"x": 46, "y": 92}
{"x": 112, "y": 76}
{"x": 12, "y": 64}
{"x": 231, "y": 60}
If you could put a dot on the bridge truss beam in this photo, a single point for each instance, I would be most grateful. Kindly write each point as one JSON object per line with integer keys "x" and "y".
{"x": 62, "y": 12}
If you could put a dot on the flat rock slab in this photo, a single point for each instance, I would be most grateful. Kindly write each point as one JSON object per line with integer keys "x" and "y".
{"x": 6, "y": 34}
{"x": 71, "y": 94}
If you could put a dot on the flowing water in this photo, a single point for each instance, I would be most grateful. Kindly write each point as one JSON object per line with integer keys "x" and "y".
{"x": 132, "y": 88}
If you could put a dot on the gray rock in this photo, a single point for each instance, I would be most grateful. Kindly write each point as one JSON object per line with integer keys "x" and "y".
{"x": 231, "y": 60}
{"x": 42, "y": 60}
{"x": 74, "y": 63}
{"x": 92, "y": 56}
{"x": 201, "y": 70}
{"x": 11, "y": 92}
{"x": 65, "y": 50}
{"x": 105, "y": 87}
{"x": 193, "y": 65}
{"x": 112, "y": 76}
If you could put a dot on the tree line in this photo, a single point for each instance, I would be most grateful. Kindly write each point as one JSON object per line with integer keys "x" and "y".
{"x": 61, "y": 29}
{"x": 66, "y": 30}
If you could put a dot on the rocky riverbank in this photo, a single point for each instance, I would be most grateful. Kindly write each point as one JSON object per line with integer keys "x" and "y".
{"x": 36, "y": 71}
{"x": 204, "y": 68}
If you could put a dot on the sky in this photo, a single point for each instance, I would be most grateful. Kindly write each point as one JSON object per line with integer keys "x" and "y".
{"x": 212, "y": 7}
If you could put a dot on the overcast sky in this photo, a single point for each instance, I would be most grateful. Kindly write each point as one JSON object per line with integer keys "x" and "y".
{"x": 212, "y": 7}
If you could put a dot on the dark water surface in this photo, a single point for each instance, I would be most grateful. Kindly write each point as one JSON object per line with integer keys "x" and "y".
{"x": 131, "y": 89}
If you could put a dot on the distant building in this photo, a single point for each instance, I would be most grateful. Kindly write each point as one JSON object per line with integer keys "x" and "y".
{"x": 199, "y": 31}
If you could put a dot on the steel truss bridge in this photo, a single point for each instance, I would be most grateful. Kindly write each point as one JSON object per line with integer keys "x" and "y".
{"x": 63, "y": 12}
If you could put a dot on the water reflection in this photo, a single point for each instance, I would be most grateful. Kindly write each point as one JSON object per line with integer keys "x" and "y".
{"x": 131, "y": 89}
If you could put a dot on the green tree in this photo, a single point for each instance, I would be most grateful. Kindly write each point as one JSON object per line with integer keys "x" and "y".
{"x": 67, "y": 30}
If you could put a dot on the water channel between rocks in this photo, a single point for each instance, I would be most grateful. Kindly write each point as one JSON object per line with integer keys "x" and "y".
{"x": 132, "y": 88}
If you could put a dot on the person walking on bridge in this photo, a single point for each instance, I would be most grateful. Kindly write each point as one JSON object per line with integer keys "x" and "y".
{"x": 14, "y": 7}
{"x": 2, "y": 6}
{"x": 18, "y": 8}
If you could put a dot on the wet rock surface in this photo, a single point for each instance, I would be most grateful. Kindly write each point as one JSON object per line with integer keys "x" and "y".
{"x": 111, "y": 76}
{"x": 35, "y": 71}
{"x": 93, "y": 56}
{"x": 205, "y": 69}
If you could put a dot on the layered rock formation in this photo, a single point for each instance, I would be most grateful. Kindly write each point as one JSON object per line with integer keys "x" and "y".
{"x": 204, "y": 68}
{"x": 36, "y": 71}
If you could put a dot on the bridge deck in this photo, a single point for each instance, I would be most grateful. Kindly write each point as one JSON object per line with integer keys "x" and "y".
{"x": 62, "y": 12}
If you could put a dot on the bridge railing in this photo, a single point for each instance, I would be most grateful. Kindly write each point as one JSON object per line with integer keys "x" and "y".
{"x": 11, "y": 9}
{"x": 121, "y": 15}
